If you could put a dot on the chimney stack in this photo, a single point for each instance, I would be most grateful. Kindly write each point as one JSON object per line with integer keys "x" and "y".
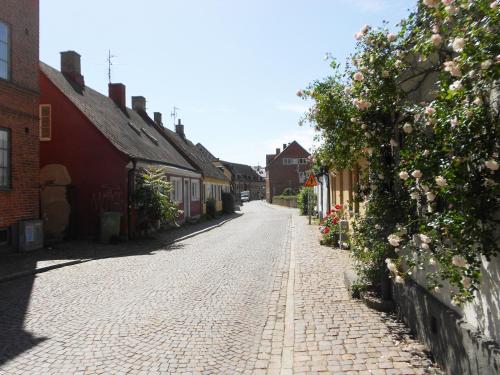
{"x": 71, "y": 68}
{"x": 179, "y": 129}
{"x": 138, "y": 103}
{"x": 284, "y": 146}
{"x": 278, "y": 151}
{"x": 157, "y": 118}
{"x": 117, "y": 93}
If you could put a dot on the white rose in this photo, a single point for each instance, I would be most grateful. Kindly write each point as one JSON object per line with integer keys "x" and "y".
{"x": 436, "y": 39}
{"x": 430, "y": 196}
{"x": 392, "y": 267}
{"x": 466, "y": 282}
{"x": 426, "y": 153}
{"x": 458, "y": 44}
{"x": 399, "y": 280}
{"x": 424, "y": 246}
{"x": 452, "y": 10}
{"x": 454, "y": 122}
{"x": 478, "y": 101}
{"x": 394, "y": 240}
{"x": 424, "y": 238}
{"x": 425, "y": 188}
{"x": 391, "y": 37}
{"x": 385, "y": 74}
{"x": 414, "y": 195}
{"x": 494, "y": 4}
{"x": 358, "y": 76}
{"x": 491, "y": 164}
{"x": 300, "y": 93}
{"x": 431, "y": 3}
{"x": 457, "y": 85}
{"x": 416, "y": 173}
{"x": 441, "y": 181}
{"x": 432, "y": 262}
{"x": 407, "y": 128}
{"x": 486, "y": 64}
{"x": 430, "y": 111}
{"x": 404, "y": 175}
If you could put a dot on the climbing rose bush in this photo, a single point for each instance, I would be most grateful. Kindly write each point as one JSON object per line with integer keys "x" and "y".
{"x": 420, "y": 106}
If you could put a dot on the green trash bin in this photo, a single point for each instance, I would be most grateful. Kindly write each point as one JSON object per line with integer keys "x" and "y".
{"x": 110, "y": 225}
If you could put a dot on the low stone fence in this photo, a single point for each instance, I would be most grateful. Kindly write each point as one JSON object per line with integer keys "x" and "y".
{"x": 287, "y": 201}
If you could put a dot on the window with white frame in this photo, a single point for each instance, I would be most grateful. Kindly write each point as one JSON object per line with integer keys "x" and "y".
{"x": 290, "y": 161}
{"x": 176, "y": 193}
{"x": 302, "y": 161}
{"x": 45, "y": 122}
{"x": 4, "y": 51}
{"x": 5, "y": 158}
{"x": 302, "y": 176}
{"x": 195, "y": 190}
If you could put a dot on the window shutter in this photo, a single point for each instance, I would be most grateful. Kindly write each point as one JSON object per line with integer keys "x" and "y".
{"x": 45, "y": 122}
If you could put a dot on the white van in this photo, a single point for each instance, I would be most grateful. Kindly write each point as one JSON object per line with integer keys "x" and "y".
{"x": 245, "y": 196}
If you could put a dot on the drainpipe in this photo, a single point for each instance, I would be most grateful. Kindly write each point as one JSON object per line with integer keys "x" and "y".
{"x": 131, "y": 178}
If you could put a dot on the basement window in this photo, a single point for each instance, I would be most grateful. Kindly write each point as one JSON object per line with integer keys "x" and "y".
{"x": 134, "y": 128}
{"x": 150, "y": 136}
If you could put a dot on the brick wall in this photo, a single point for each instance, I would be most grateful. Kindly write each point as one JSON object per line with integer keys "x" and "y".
{"x": 19, "y": 112}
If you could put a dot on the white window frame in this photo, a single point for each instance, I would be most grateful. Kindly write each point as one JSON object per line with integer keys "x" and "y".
{"x": 195, "y": 190}
{"x": 176, "y": 193}
{"x": 42, "y": 117}
{"x": 7, "y": 43}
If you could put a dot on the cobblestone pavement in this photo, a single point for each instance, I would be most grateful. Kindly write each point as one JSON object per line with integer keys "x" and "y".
{"x": 223, "y": 302}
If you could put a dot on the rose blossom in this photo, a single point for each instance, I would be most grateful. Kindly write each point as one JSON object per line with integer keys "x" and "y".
{"x": 491, "y": 164}
{"x": 458, "y": 44}
{"x": 416, "y": 173}
{"x": 453, "y": 68}
{"x": 361, "y": 104}
{"x": 452, "y": 10}
{"x": 431, "y": 3}
{"x": 358, "y": 76}
{"x": 432, "y": 261}
{"x": 385, "y": 74}
{"x": 407, "y": 128}
{"x": 358, "y": 35}
{"x": 426, "y": 153}
{"x": 458, "y": 261}
{"x": 494, "y": 4}
{"x": 424, "y": 238}
{"x": 394, "y": 240}
{"x": 466, "y": 282}
{"x": 478, "y": 101}
{"x": 414, "y": 195}
{"x": 436, "y": 39}
{"x": 457, "y": 85}
{"x": 430, "y": 196}
{"x": 454, "y": 122}
{"x": 300, "y": 93}
{"x": 391, "y": 37}
{"x": 430, "y": 111}
{"x": 441, "y": 181}
{"x": 486, "y": 64}
{"x": 399, "y": 280}
{"x": 404, "y": 175}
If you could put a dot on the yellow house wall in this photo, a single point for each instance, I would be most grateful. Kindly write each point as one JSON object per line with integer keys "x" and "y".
{"x": 214, "y": 181}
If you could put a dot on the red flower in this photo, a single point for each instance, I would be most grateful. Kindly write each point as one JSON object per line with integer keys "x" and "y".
{"x": 338, "y": 207}
{"x": 335, "y": 220}
{"x": 326, "y": 230}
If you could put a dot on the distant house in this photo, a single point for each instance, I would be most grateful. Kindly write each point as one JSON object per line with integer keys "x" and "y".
{"x": 19, "y": 95}
{"x": 287, "y": 168}
{"x": 214, "y": 180}
{"x": 244, "y": 178}
{"x": 92, "y": 146}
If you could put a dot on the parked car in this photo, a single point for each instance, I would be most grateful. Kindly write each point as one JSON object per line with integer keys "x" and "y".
{"x": 245, "y": 196}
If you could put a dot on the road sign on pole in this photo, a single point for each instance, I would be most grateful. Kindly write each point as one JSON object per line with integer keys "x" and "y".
{"x": 311, "y": 181}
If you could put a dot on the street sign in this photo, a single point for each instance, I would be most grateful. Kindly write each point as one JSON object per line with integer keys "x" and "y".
{"x": 311, "y": 181}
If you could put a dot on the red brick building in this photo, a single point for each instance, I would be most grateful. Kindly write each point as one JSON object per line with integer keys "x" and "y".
{"x": 92, "y": 146}
{"x": 19, "y": 95}
{"x": 287, "y": 168}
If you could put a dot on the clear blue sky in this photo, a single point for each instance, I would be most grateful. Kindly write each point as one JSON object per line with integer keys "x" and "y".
{"x": 233, "y": 67}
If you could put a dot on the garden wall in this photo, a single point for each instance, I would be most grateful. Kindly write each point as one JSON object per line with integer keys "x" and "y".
{"x": 285, "y": 201}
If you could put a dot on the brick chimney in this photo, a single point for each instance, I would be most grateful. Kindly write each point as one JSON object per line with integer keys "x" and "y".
{"x": 117, "y": 93}
{"x": 278, "y": 151}
{"x": 71, "y": 68}
{"x": 284, "y": 146}
{"x": 179, "y": 129}
{"x": 157, "y": 118}
{"x": 138, "y": 103}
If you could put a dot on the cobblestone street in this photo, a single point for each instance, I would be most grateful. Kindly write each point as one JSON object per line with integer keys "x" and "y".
{"x": 257, "y": 295}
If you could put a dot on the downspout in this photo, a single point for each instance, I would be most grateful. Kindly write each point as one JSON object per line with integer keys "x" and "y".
{"x": 131, "y": 180}
{"x": 327, "y": 180}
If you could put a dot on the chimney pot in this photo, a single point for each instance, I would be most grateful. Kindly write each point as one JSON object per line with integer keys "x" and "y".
{"x": 179, "y": 129}
{"x": 157, "y": 118}
{"x": 138, "y": 103}
{"x": 278, "y": 151}
{"x": 117, "y": 94}
{"x": 71, "y": 67}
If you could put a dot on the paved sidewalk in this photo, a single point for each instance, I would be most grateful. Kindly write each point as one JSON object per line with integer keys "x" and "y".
{"x": 15, "y": 265}
{"x": 335, "y": 334}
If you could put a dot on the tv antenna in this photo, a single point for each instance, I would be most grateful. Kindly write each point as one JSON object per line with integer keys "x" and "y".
{"x": 174, "y": 114}
{"x": 110, "y": 64}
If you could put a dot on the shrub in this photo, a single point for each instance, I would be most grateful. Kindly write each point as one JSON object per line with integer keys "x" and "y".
{"x": 330, "y": 227}
{"x": 288, "y": 192}
{"x": 303, "y": 200}
{"x": 228, "y": 203}
{"x": 152, "y": 198}
{"x": 211, "y": 209}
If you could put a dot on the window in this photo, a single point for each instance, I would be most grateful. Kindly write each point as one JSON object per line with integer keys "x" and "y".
{"x": 195, "y": 190}
{"x": 176, "y": 193}
{"x": 290, "y": 161}
{"x": 302, "y": 161}
{"x": 45, "y": 122}
{"x": 4, "y": 158}
{"x": 4, "y": 51}
{"x": 302, "y": 177}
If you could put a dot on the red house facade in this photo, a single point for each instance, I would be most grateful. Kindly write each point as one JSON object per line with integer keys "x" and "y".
{"x": 287, "y": 168}
{"x": 92, "y": 146}
{"x": 19, "y": 95}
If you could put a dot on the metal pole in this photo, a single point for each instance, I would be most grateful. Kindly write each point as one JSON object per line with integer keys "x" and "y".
{"x": 309, "y": 203}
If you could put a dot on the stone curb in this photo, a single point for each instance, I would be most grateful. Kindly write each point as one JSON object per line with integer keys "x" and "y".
{"x": 79, "y": 261}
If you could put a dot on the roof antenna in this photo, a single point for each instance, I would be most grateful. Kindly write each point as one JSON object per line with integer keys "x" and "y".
{"x": 110, "y": 63}
{"x": 174, "y": 114}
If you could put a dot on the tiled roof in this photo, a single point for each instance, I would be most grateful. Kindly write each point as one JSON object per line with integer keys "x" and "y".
{"x": 205, "y": 151}
{"x": 241, "y": 169}
{"x": 195, "y": 155}
{"x": 129, "y": 134}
